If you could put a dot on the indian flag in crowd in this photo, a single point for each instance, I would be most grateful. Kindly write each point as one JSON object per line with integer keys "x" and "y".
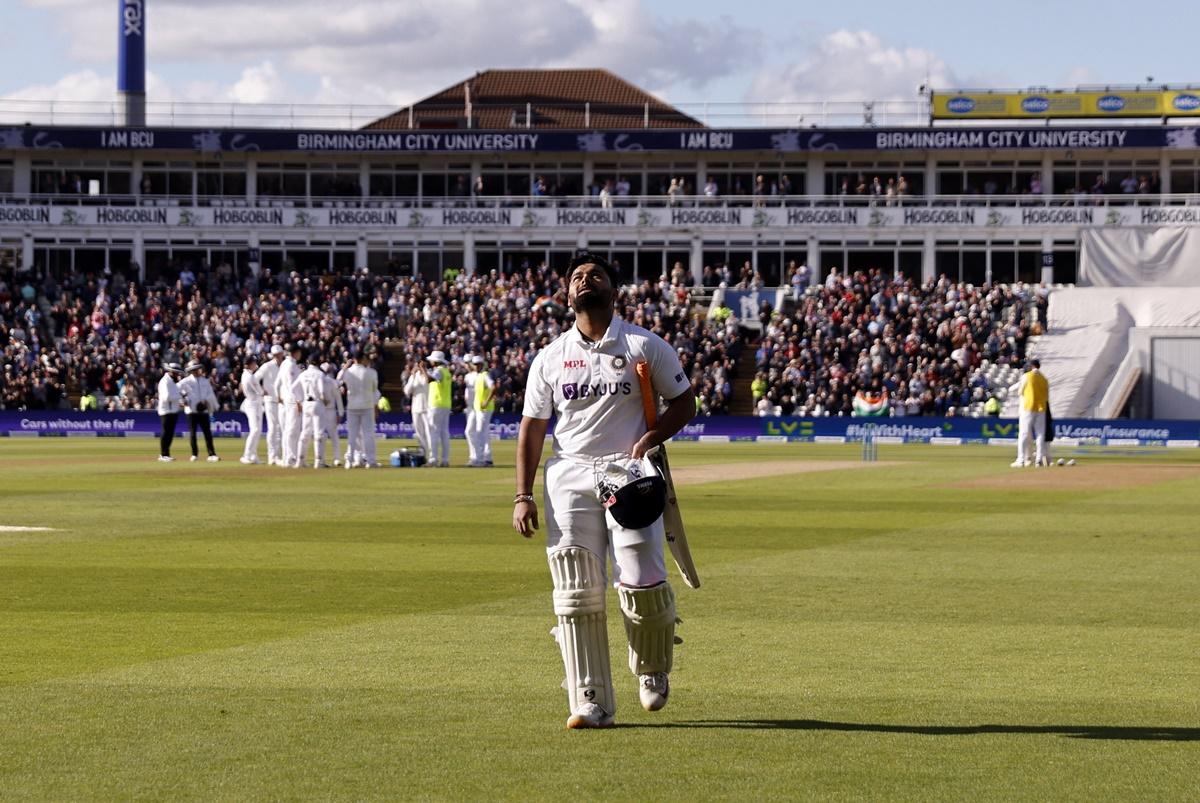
{"x": 870, "y": 404}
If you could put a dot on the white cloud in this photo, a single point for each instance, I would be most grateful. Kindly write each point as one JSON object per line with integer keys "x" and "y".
{"x": 853, "y": 66}
{"x": 388, "y": 52}
{"x": 258, "y": 84}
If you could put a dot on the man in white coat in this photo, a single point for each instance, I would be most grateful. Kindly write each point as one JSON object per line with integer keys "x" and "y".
{"x": 417, "y": 389}
{"x": 309, "y": 388}
{"x": 334, "y": 410}
{"x": 267, "y": 375}
{"x": 199, "y": 402}
{"x": 289, "y": 407}
{"x": 362, "y": 392}
{"x": 170, "y": 403}
{"x": 252, "y": 406}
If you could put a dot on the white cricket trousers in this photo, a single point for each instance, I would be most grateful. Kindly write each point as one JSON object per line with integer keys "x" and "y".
{"x": 421, "y": 431}
{"x": 1031, "y": 426}
{"x": 254, "y": 417}
{"x": 291, "y": 433}
{"x": 483, "y": 436}
{"x": 471, "y": 433}
{"x": 360, "y": 437}
{"x": 312, "y": 424}
{"x": 330, "y": 423}
{"x": 439, "y": 436}
{"x": 274, "y": 430}
{"x": 575, "y": 517}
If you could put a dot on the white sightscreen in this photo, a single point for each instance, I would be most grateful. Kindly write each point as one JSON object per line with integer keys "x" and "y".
{"x": 1175, "y": 377}
{"x": 1129, "y": 257}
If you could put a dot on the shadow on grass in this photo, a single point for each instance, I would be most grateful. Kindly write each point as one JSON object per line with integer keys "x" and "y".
{"x": 1116, "y": 732}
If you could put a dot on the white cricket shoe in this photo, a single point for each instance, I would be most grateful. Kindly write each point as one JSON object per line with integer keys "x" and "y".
{"x": 1017, "y": 464}
{"x": 589, "y": 715}
{"x": 653, "y": 690}
{"x": 212, "y": 458}
{"x": 193, "y": 458}
{"x": 166, "y": 458}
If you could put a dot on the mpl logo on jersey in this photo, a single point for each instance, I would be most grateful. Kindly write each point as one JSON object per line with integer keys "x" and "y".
{"x": 571, "y": 365}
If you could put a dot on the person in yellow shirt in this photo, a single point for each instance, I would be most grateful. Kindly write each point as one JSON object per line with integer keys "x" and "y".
{"x": 439, "y": 409}
{"x": 1034, "y": 392}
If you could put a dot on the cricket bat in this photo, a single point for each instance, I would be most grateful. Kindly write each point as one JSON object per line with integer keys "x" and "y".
{"x": 672, "y": 521}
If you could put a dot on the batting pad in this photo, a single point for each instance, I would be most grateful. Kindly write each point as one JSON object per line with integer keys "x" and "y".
{"x": 650, "y": 625}
{"x": 579, "y": 589}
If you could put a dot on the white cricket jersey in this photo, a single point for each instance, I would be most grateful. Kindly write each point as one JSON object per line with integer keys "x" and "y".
{"x": 310, "y": 386}
{"x": 251, "y": 389}
{"x": 289, "y": 372}
{"x": 362, "y": 387}
{"x": 267, "y": 374}
{"x": 469, "y": 389}
{"x": 594, "y": 390}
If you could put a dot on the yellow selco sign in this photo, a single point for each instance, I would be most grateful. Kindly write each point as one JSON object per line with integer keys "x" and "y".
{"x": 1027, "y": 105}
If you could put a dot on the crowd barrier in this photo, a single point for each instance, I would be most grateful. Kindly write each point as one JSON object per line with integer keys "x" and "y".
{"x": 947, "y": 431}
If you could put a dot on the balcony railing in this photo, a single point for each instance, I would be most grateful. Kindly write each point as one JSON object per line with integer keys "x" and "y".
{"x": 830, "y": 113}
{"x": 616, "y": 202}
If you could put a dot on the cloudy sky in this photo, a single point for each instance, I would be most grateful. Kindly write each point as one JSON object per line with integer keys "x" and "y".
{"x": 687, "y": 51}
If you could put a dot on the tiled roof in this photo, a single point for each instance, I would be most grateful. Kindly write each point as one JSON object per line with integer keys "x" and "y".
{"x": 557, "y": 98}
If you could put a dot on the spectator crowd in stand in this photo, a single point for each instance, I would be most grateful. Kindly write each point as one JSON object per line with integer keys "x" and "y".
{"x": 107, "y": 338}
{"x": 871, "y": 333}
{"x": 507, "y": 319}
{"x": 33, "y": 375}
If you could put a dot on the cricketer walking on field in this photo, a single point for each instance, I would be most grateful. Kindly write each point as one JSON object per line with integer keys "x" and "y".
{"x": 587, "y": 378}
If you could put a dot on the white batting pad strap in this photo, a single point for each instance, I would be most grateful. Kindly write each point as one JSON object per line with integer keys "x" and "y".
{"x": 579, "y": 588}
{"x": 650, "y": 625}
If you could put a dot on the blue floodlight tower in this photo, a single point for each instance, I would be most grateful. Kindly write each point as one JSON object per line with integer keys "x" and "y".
{"x": 131, "y": 61}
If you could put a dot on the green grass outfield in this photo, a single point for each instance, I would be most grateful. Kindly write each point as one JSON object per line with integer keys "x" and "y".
{"x": 938, "y": 626}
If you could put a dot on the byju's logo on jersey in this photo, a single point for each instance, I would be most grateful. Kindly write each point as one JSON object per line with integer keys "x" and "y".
{"x": 576, "y": 390}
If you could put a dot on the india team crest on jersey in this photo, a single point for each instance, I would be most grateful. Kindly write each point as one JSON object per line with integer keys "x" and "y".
{"x": 619, "y": 362}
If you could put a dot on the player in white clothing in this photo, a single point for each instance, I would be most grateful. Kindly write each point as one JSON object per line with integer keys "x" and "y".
{"x": 267, "y": 375}
{"x": 416, "y": 387}
{"x": 252, "y": 406}
{"x": 309, "y": 388}
{"x": 289, "y": 407}
{"x": 469, "y": 431}
{"x": 587, "y": 377}
{"x": 362, "y": 393}
{"x": 334, "y": 410}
